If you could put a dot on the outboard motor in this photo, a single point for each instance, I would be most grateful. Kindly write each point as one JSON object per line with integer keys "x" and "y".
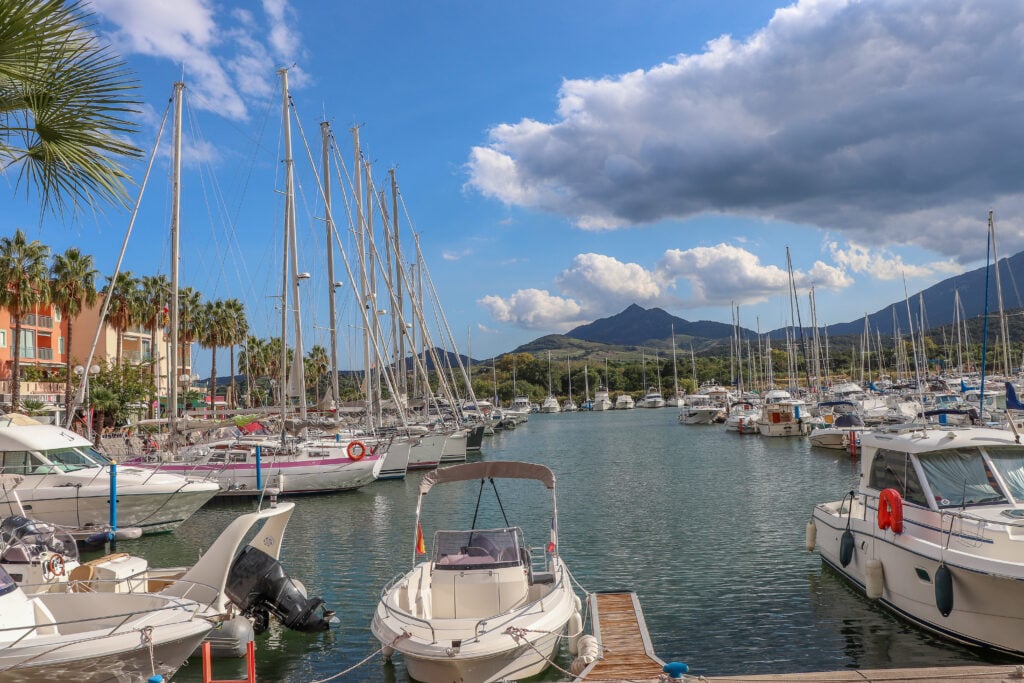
{"x": 258, "y": 584}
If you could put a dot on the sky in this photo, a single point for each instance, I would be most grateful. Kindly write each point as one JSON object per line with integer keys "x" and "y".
{"x": 562, "y": 160}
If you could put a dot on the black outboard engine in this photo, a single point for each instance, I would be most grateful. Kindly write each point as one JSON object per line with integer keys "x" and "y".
{"x": 260, "y": 587}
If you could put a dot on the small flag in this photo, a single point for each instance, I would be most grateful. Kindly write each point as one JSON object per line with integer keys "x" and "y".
{"x": 421, "y": 547}
{"x": 551, "y": 543}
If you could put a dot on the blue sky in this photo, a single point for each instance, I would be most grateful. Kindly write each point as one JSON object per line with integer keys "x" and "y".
{"x": 561, "y": 160}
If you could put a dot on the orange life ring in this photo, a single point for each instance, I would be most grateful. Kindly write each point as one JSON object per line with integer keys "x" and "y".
{"x": 355, "y": 450}
{"x": 890, "y": 510}
{"x": 55, "y": 565}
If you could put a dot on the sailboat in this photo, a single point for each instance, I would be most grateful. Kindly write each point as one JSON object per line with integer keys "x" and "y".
{"x": 247, "y": 464}
{"x": 569, "y": 406}
{"x": 676, "y": 400}
{"x": 550, "y": 404}
{"x": 601, "y": 398}
{"x": 587, "y": 403}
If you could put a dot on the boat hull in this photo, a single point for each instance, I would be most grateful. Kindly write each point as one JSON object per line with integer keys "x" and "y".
{"x": 988, "y": 608}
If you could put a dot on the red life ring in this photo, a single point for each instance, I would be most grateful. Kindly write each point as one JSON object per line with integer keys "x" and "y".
{"x": 55, "y": 565}
{"x": 355, "y": 450}
{"x": 890, "y": 510}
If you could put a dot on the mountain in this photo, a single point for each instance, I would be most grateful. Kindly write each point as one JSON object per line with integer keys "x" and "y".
{"x": 939, "y": 301}
{"x": 637, "y": 326}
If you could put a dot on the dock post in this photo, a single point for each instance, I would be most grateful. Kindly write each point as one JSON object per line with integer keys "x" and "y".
{"x": 259, "y": 469}
{"x": 113, "y": 507}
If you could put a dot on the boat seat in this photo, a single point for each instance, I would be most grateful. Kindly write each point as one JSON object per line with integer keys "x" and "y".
{"x": 542, "y": 577}
{"x": 79, "y": 578}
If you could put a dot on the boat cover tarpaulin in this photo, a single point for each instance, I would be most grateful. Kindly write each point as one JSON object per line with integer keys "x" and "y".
{"x": 484, "y": 470}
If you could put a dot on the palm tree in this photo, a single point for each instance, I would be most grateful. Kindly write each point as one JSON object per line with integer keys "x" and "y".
{"x": 317, "y": 366}
{"x": 64, "y": 102}
{"x": 123, "y": 309}
{"x": 236, "y": 333}
{"x": 190, "y": 303}
{"x": 24, "y": 274}
{"x": 155, "y": 292}
{"x": 252, "y": 360}
{"x": 216, "y": 319}
{"x": 72, "y": 285}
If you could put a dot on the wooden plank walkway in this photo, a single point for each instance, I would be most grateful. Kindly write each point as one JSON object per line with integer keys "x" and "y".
{"x": 626, "y": 651}
{"x": 627, "y": 655}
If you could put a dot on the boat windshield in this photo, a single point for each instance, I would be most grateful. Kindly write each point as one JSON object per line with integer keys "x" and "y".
{"x": 1009, "y": 463}
{"x": 960, "y": 477}
{"x": 73, "y": 458}
{"x": 6, "y": 583}
{"x": 491, "y": 548}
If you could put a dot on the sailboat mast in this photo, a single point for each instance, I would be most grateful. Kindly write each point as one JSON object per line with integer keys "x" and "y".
{"x": 297, "y": 379}
{"x": 172, "y": 366}
{"x": 403, "y": 380}
{"x": 325, "y": 135}
{"x": 675, "y": 370}
{"x": 357, "y": 194}
{"x": 1003, "y": 338}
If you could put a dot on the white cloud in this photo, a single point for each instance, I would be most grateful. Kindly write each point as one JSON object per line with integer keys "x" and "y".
{"x": 455, "y": 254}
{"x": 883, "y": 265}
{"x": 603, "y": 282}
{"x": 887, "y": 120}
{"x": 224, "y": 58}
{"x": 534, "y": 309}
{"x": 722, "y": 274}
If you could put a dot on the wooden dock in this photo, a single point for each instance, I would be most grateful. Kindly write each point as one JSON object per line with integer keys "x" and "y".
{"x": 626, "y": 651}
{"x": 626, "y": 654}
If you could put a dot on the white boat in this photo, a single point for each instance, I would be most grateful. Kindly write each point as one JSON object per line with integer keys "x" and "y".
{"x": 839, "y": 426}
{"x": 56, "y": 476}
{"x": 934, "y": 531}
{"x": 624, "y": 402}
{"x": 652, "y": 399}
{"x": 43, "y": 558}
{"x": 315, "y": 466}
{"x": 569, "y": 406}
{"x": 601, "y": 399}
{"x": 486, "y": 606}
{"x": 783, "y": 415}
{"x": 95, "y": 636}
{"x": 742, "y": 418}
{"x": 550, "y": 405}
{"x": 698, "y": 409}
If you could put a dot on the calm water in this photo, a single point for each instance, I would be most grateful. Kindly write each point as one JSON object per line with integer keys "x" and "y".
{"x": 706, "y": 526}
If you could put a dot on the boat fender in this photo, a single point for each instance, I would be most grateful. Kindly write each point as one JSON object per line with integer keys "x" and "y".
{"x": 675, "y": 670}
{"x": 874, "y": 578}
{"x": 575, "y": 633}
{"x": 812, "y": 535}
{"x": 944, "y": 590}
{"x": 890, "y": 510}
{"x": 846, "y": 548}
{"x": 590, "y": 651}
{"x": 577, "y": 603}
{"x": 388, "y": 652}
{"x": 157, "y": 678}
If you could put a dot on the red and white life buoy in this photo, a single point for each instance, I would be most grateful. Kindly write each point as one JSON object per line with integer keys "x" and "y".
{"x": 355, "y": 450}
{"x": 890, "y": 510}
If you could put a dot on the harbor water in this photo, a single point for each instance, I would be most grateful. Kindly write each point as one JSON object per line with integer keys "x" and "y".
{"x": 707, "y": 526}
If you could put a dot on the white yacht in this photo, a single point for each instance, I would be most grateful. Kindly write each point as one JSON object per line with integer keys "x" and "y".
{"x": 550, "y": 405}
{"x": 652, "y": 399}
{"x": 934, "y": 531}
{"x": 783, "y": 415}
{"x": 56, "y": 476}
{"x": 698, "y": 409}
{"x": 624, "y": 402}
{"x": 452, "y": 617}
{"x": 601, "y": 399}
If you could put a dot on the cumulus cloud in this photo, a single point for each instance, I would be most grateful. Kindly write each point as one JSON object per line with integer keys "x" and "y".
{"x": 596, "y": 285}
{"x": 886, "y": 121}
{"x": 599, "y": 280}
{"x": 534, "y": 309}
{"x": 883, "y": 265}
{"x": 227, "y": 57}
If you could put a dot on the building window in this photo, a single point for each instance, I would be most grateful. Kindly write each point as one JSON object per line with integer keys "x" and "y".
{"x": 60, "y": 345}
{"x": 28, "y": 343}
{"x": 56, "y": 314}
{"x": 3, "y": 339}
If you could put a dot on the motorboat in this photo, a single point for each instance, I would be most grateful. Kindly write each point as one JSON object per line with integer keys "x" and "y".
{"x": 601, "y": 399}
{"x": 624, "y": 402}
{"x": 698, "y": 409}
{"x": 550, "y": 405}
{"x": 569, "y": 406}
{"x": 838, "y": 427}
{"x": 484, "y": 605}
{"x": 652, "y": 399}
{"x": 95, "y": 636}
{"x": 237, "y": 590}
{"x": 298, "y": 466}
{"x": 935, "y": 530}
{"x": 783, "y": 415}
{"x": 55, "y": 475}
{"x": 742, "y": 418}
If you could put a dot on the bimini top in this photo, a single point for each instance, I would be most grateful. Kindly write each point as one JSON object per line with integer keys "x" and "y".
{"x": 509, "y": 469}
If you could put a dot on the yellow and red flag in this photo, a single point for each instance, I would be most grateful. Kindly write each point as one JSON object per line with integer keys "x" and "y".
{"x": 421, "y": 547}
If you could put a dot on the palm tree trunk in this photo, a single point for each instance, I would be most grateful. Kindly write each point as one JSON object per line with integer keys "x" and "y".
{"x": 155, "y": 360}
{"x": 213, "y": 382}
{"x": 67, "y": 378}
{"x": 16, "y": 366}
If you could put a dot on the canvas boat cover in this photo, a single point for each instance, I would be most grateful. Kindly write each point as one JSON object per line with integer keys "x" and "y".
{"x": 483, "y": 470}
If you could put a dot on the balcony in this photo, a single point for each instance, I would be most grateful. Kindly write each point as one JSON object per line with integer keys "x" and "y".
{"x": 43, "y": 353}
{"x": 136, "y": 356}
{"x": 33, "y": 320}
